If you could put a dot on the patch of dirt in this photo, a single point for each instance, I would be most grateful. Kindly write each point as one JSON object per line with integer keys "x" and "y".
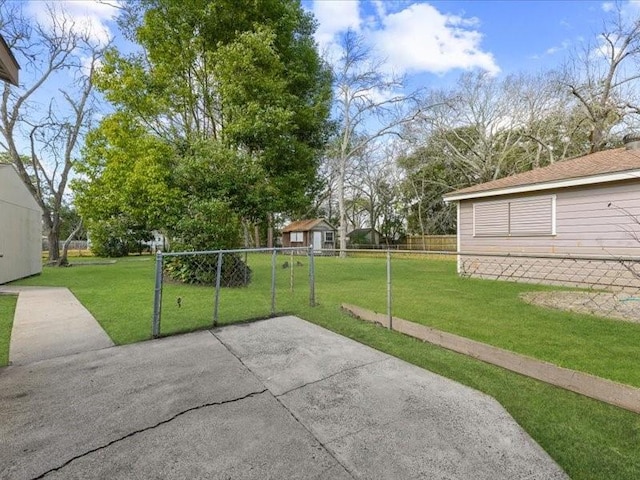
{"x": 619, "y": 306}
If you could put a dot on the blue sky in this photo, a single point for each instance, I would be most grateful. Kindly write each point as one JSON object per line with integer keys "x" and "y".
{"x": 431, "y": 41}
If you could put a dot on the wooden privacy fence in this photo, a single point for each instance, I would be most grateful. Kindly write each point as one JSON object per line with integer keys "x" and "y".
{"x": 438, "y": 243}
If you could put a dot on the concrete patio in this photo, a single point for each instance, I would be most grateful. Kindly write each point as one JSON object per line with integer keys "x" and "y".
{"x": 280, "y": 398}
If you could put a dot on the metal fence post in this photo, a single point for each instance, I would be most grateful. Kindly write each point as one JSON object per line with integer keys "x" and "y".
{"x": 217, "y": 300}
{"x": 312, "y": 278}
{"x": 291, "y": 271}
{"x": 157, "y": 298}
{"x": 389, "y": 315}
{"x": 245, "y": 269}
{"x": 273, "y": 281}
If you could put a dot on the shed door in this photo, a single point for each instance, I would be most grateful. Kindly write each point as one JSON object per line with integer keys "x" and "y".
{"x": 317, "y": 241}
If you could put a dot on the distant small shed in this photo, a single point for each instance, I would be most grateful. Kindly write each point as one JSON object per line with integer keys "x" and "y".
{"x": 364, "y": 236}
{"x": 585, "y": 206}
{"x": 20, "y": 228}
{"x": 302, "y": 233}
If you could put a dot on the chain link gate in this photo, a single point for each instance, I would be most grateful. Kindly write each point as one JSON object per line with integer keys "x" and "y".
{"x": 203, "y": 289}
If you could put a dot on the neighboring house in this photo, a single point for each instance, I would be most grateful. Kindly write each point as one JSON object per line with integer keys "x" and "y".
{"x": 20, "y": 228}
{"x": 8, "y": 65}
{"x": 302, "y": 233}
{"x": 364, "y": 236}
{"x": 585, "y": 206}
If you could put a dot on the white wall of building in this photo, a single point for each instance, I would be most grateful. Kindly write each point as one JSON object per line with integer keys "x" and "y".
{"x": 20, "y": 228}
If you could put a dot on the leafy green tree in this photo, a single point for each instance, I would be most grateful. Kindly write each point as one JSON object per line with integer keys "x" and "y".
{"x": 428, "y": 175}
{"x": 125, "y": 183}
{"x": 207, "y": 224}
{"x": 220, "y": 120}
{"x": 117, "y": 237}
{"x": 246, "y": 74}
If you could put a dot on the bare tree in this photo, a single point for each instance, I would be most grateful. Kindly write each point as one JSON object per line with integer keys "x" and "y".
{"x": 49, "y": 113}
{"x": 370, "y": 107}
{"x": 483, "y": 129}
{"x": 603, "y": 77}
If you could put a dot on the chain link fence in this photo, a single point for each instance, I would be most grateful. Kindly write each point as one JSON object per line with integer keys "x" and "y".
{"x": 606, "y": 286}
{"x": 205, "y": 289}
{"x": 601, "y": 285}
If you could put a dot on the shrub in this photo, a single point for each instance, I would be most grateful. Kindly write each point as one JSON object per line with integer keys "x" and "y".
{"x": 202, "y": 270}
{"x": 208, "y": 225}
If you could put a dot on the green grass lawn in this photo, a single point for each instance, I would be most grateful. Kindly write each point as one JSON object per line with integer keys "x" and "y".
{"x": 7, "y": 307}
{"x": 429, "y": 292}
{"x": 589, "y": 439}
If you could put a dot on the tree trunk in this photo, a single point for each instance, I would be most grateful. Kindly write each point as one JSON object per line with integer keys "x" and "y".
{"x": 256, "y": 233}
{"x": 52, "y": 228}
{"x": 53, "y": 235}
{"x": 62, "y": 261}
{"x": 342, "y": 211}
{"x": 270, "y": 231}
{"x": 247, "y": 237}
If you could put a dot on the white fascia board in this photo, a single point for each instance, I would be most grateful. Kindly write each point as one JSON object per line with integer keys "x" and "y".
{"x": 458, "y": 239}
{"x": 535, "y": 187}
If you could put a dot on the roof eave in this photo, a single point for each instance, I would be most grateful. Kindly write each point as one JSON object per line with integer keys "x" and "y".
{"x": 9, "y": 66}
{"x": 551, "y": 185}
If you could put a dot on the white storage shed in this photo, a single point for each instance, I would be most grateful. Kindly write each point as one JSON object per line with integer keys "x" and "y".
{"x": 20, "y": 228}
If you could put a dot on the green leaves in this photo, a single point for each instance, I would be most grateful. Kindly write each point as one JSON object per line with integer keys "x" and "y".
{"x": 126, "y": 173}
{"x": 227, "y": 105}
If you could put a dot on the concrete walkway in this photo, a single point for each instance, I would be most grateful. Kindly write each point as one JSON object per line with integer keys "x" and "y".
{"x": 50, "y": 322}
{"x": 280, "y": 398}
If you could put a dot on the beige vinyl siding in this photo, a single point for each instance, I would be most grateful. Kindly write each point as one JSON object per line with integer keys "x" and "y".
{"x": 20, "y": 228}
{"x": 585, "y": 225}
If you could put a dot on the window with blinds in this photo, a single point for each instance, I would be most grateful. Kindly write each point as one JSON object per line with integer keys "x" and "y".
{"x": 518, "y": 217}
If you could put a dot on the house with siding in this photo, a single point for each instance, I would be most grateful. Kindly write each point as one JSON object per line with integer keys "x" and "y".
{"x": 303, "y": 233}
{"x": 364, "y": 236}
{"x": 585, "y": 206}
{"x": 20, "y": 228}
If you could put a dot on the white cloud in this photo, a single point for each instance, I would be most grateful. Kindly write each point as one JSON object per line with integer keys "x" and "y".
{"x": 608, "y": 6}
{"x": 89, "y": 16}
{"x": 413, "y": 37}
{"x": 629, "y": 9}
{"x": 564, "y": 45}
{"x": 421, "y": 39}
{"x": 335, "y": 17}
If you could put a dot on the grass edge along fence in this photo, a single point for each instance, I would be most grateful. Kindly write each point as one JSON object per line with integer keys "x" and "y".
{"x": 160, "y": 264}
{"x": 606, "y": 285}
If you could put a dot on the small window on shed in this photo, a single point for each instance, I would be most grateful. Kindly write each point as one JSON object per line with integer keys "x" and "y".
{"x": 296, "y": 237}
{"x": 328, "y": 237}
{"x": 491, "y": 219}
{"x": 531, "y": 216}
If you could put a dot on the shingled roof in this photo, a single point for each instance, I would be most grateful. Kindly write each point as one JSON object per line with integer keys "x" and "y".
{"x": 302, "y": 225}
{"x": 606, "y": 166}
{"x": 8, "y": 65}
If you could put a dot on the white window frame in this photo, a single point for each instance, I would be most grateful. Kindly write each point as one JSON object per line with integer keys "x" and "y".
{"x": 509, "y": 202}
{"x": 297, "y": 237}
{"x": 326, "y": 236}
